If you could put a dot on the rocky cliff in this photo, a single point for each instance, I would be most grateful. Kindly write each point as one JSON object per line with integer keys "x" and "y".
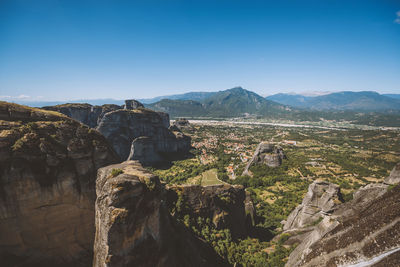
{"x": 92, "y": 115}
{"x": 134, "y": 227}
{"x": 226, "y": 206}
{"x": 267, "y": 154}
{"x": 394, "y": 177}
{"x": 321, "y": 200}
{"x": 85, "y": 113}
{"x": 126, "y": 129}
{"x": 134, "y": 132}
{"x": 48, "y": 165}
{"x": 182, "y": 123}
{"x": 363, "y": 231}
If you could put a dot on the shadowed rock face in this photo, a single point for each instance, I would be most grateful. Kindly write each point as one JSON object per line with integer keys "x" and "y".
{"x": 123, "y": 127}
{"x": 225, "y": 205}
{"x": 48, "y": 165}
{"x": 321, "y": 199}
{"x": 267, "y": 154}
{"x": 134, "y": 227}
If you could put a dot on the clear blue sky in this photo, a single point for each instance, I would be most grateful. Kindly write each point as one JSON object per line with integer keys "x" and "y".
{"x": 67, "y": 49}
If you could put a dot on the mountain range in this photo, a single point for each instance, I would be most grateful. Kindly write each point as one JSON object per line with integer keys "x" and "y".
{"x": 356, "y": 101}
{"x": 233, "y": 102}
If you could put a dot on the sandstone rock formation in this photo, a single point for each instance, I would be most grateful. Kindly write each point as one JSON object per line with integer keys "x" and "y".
{"x": 123, "y": 127}
{"x": 357, "y": 232}
{"x": 85, "y": 113}
{"x": 48, "y": 166}
{"x": 134, "y": 227}
{"x": 92, "y": 115}
{"x": 321, "y": 199}
{"x": 394, "y": 177}
{"x": 225, "y": 205}
{"x": 181, "y": 123}
{"x": 132, "y": 104}
{"x": 267, "y": 154}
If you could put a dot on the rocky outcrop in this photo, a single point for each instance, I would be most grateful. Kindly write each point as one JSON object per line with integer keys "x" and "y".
{"x": 358, "y": 232}
{"x": 143, "y": 149}
{"x": 182, "y": 123}
{"x": 134, "y": 227}
{"x": 321, "y": 200}
{"x": 131, "y": 121}
{"x": 48, "y": 165}
{"x": 223, "y": 204}
{"x": 394, "y": 177}
{"x": 132, "y": 104}
{"x": 267, "y": 154}
{"x": 123, "y": 127}
{"x": 85, "y": 113}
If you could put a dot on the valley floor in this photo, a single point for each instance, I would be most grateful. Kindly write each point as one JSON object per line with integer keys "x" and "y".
{"x": 349, "y": 157}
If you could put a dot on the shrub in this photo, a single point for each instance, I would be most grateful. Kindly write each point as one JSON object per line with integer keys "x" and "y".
{"x": 116, "y": 172}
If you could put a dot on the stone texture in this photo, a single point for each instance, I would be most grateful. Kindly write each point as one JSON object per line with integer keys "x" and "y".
{"x": 134, "y": 227}
{"x": 394, "y": 177}
{"x": 321, "y": 200}
{"x": 123, "y": 127}
{"x": 48, "y": 165}
{"x": 85, "y": 113}
{"x": 267, "y": 154}
{"x": 143, "y": 149}
{"x": 225, "y": 205}
{"x": 182, "y": 123}
{"x": 359, "y": 230}
{"x": 132, "y": 104}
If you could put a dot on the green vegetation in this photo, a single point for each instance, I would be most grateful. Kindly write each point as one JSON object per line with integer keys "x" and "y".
{"x": 116, "y": 172}
{"x": 237, "y": 102}
{"x": 350, "y": 158}
{"x": 210, "y": 178}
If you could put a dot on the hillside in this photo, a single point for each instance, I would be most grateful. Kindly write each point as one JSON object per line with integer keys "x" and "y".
{"x": 233, "y": 102}
{"x": 354, "y": 101}
{"x": 196, "y": 96}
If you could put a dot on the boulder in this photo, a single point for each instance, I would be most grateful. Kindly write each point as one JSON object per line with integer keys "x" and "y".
{"x": 134, "y": 227}
{"x": 267, "y": 154}
{"x": 132, "y": 104}
{"x": 182, "y": 123}
{"x": 394, "y": 177}
{"x": 48, "y": 166}
{"x": 321, "y": 199}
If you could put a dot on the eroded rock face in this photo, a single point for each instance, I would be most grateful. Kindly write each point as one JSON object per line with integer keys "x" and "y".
{"x": 394, "y": 177}
{"x": 134, "y": 227}
{"x": 48, "y": 165}
{"x": 267, "y": 154}
{"x": 123, "y": 127}
{"x": 225, "y": 205}
{"x": 143, "y": 149}
{"x": 133, "y": 104}
{"x": 321, "y": 200}
{"x": 85, "y": 113}
{"x": 356, "y": 232}
{"x": 182, "y": 123}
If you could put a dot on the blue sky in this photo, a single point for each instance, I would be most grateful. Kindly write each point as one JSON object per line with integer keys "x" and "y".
{"x": 67, "y": 49}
